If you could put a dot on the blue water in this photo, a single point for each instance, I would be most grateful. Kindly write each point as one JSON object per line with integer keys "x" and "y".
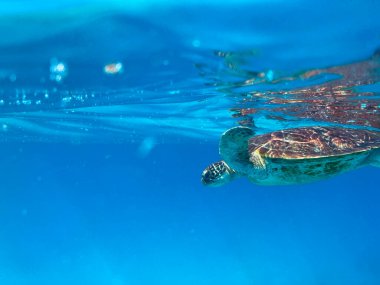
{"x": 100, "y": 173}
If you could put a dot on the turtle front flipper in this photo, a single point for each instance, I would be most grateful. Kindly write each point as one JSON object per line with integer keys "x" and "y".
{"x": 233, "y": 148}
{"x": 217, "y": 174}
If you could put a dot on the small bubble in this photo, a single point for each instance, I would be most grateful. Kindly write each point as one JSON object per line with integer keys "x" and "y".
{"x": 66, "y": 100}
{"x": 60, "y": 67}
{"x": 196, "y": 43}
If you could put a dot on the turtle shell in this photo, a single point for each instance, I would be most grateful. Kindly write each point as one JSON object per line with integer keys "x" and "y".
{"x": 312, "y": 142}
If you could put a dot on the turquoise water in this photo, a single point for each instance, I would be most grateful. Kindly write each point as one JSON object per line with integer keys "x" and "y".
{"x": 109, "y": 112}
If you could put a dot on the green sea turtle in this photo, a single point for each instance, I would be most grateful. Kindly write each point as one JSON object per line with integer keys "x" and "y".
{"x": 292, "y": 156}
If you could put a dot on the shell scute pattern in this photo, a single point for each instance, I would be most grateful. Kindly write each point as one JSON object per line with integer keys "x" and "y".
{"x": 313, "y": 142}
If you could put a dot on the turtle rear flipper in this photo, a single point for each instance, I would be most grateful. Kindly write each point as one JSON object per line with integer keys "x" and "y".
{"x": 376, "y": 54}
{"x": 233, "y": 148}
{"x": 375, "y": 158}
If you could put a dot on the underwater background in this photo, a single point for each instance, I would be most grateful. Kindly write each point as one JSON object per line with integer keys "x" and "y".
{"x": 110, "y": 111}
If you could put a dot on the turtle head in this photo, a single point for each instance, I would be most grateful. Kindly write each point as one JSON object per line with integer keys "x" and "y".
{"x": 217, "y": 174}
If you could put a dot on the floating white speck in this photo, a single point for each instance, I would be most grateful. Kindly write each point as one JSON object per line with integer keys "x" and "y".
{"x": 66, "y": 100}
{"x": 58, "y": 70}
{"x": 113, "y": 68}
{"x": 60, "y": 67}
